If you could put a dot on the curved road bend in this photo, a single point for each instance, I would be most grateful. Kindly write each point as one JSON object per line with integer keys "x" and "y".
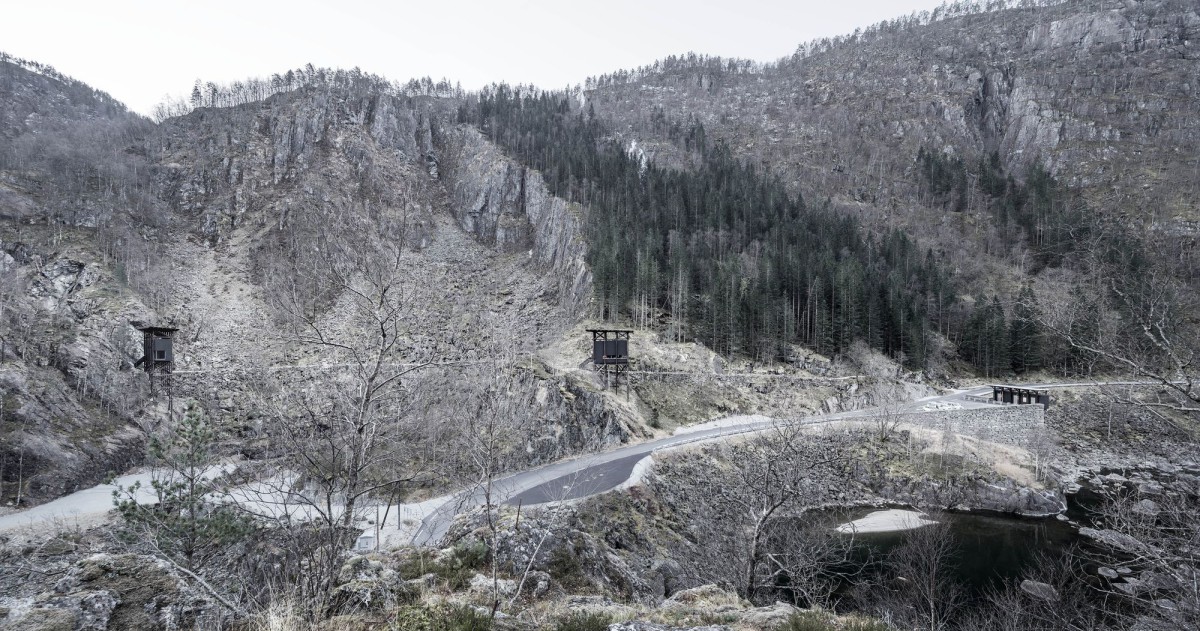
{"x": 592, "y": 474}
{"x": 565, "y": 480}
{"x": 596, "y": 473}
{"x": 86, "y": 505}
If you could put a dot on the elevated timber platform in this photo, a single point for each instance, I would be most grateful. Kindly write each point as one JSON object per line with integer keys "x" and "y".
{"x": 1018, "y": 395}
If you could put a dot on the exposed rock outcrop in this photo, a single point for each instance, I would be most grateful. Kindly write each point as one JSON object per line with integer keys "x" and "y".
{"x": 116, "y": 591}
{"x": 506, "y": 205}
{"x": 225, "y": 166}
{"x": 68, "y": 400}
{"x": 1101, "y": 91}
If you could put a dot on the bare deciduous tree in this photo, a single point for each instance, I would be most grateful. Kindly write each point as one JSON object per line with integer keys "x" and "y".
{"x": 487, "y": 440}
{"x": 775, "y": 476}
{"x": 1141, "y": 327}
{"x": 345, "y": 429}
{"x": 1052, "y": 594}
{"x": 922, "y": 592}
{"x": 810, "y": 561}
{"x": 1158, "y": 536}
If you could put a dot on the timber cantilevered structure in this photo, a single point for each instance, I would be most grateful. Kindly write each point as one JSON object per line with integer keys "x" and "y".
{"x": 1020, "y": 395}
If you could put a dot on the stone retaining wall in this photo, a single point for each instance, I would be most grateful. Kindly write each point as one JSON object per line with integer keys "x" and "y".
{"x": 1010, "y": 424}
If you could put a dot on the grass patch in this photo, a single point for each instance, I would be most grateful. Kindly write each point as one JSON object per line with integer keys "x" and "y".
{"x": 707, "y": 618}
{"x": 456, "y": 568}
{"x": 581, "y": 621}
{"x": 808, "y": 621}
{"x": 822, "y": 621}
{"x": 535, "y": 366}
{"x": 565, "y": 568}
{"x": 441, "y": 618}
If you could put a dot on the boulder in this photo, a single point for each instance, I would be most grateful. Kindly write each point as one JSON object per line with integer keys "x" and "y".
{"x": 95, "y": 610}
{"x": 1157, "y": 580}
{"x": 663, "y": 576}
{"x": 538, "y": 584}
{"x": 1148, "y": 508}
{"x": 117, "y": 591}
{"x": 1113, "y": 539}
{"x": 1150, "y": 488}
{"x": 1041, "y": 591}
{"x": 707, "y": 597}
{"x": 482, "y": 584}
{"x": 1131, "y": 586}
{"x": 47, "y": 619}
{"x": 772, "y": 617}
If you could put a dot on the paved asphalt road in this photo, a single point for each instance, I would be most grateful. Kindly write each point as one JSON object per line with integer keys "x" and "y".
{"x": 596, "y": 473}
{"x": 579, "y": 477}
{"x": 85, "y": 506}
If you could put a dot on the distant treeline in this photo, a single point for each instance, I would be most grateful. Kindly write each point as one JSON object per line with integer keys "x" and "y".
{"x": 74, "y": 88}
{"x": 715, "y": 67}
{"x": 353, "y": 81}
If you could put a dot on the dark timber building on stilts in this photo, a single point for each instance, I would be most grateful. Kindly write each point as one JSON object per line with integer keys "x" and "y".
{"x": 1019, "y": 396}
{"x": 158, "y": 353}
{"x": 610, "y": 352}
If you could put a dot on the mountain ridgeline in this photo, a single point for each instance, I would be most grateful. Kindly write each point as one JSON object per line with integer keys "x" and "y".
{"x": 1050, "y": 145}
{"x": 383, "y": 292}
{"x": 750, "y": 251}
{"x": 937, "y": 190}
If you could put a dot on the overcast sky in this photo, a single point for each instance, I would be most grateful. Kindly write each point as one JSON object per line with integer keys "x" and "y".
{"x": 140, "y": 50}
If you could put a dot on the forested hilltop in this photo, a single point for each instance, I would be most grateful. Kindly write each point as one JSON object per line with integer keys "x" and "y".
{"x": 383, "y": 408}
{"x": 1020, "y": 144}
{"x": 755, "y": 208}
{"x": 723, "y": 253}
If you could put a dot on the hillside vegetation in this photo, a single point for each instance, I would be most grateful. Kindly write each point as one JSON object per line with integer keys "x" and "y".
{"x": 383, "y": 293}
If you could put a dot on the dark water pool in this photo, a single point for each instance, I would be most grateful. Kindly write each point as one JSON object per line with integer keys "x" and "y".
{"x": 989, "y": 549}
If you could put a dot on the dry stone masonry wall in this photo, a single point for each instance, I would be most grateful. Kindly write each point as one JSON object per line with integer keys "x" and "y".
{"x": 1009, "y": 424}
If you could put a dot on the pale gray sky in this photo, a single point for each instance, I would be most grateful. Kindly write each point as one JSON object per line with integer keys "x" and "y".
{"x": 139, "y": 50}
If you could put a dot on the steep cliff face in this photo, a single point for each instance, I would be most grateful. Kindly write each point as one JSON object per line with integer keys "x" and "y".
{"x": 492, "y": 258}
{"x": 1108, "y": 97}
{"x": 488, "y": 190}
{"x": 271, "y": 186}
{"x": 55, "y": 443}
{"x": 1103, "y": 92}
{"x": 506, "y": 205}
{"x": 70, "y": 405}
{"x": 315, "y": 147}
{"x": 582, "y": 419}
{"x": 232, "y": 204}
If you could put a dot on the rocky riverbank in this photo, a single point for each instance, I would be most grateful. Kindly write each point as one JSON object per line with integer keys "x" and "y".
{"x": 668, "y": 533}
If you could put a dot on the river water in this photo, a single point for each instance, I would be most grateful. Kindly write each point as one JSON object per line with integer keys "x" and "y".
{"x": 989, "y": 549}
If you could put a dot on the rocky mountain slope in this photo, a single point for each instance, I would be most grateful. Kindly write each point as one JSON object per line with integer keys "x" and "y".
{"x": 1101, "y": 92}
{"x": 237, "y": 200}
{"x": 220, "y": 221}
{"x": 205, "y": 219}
{"x": 292, "y": 235}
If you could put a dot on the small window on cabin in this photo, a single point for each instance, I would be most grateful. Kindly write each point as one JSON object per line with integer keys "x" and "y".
{"x": 160, "y": 355}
